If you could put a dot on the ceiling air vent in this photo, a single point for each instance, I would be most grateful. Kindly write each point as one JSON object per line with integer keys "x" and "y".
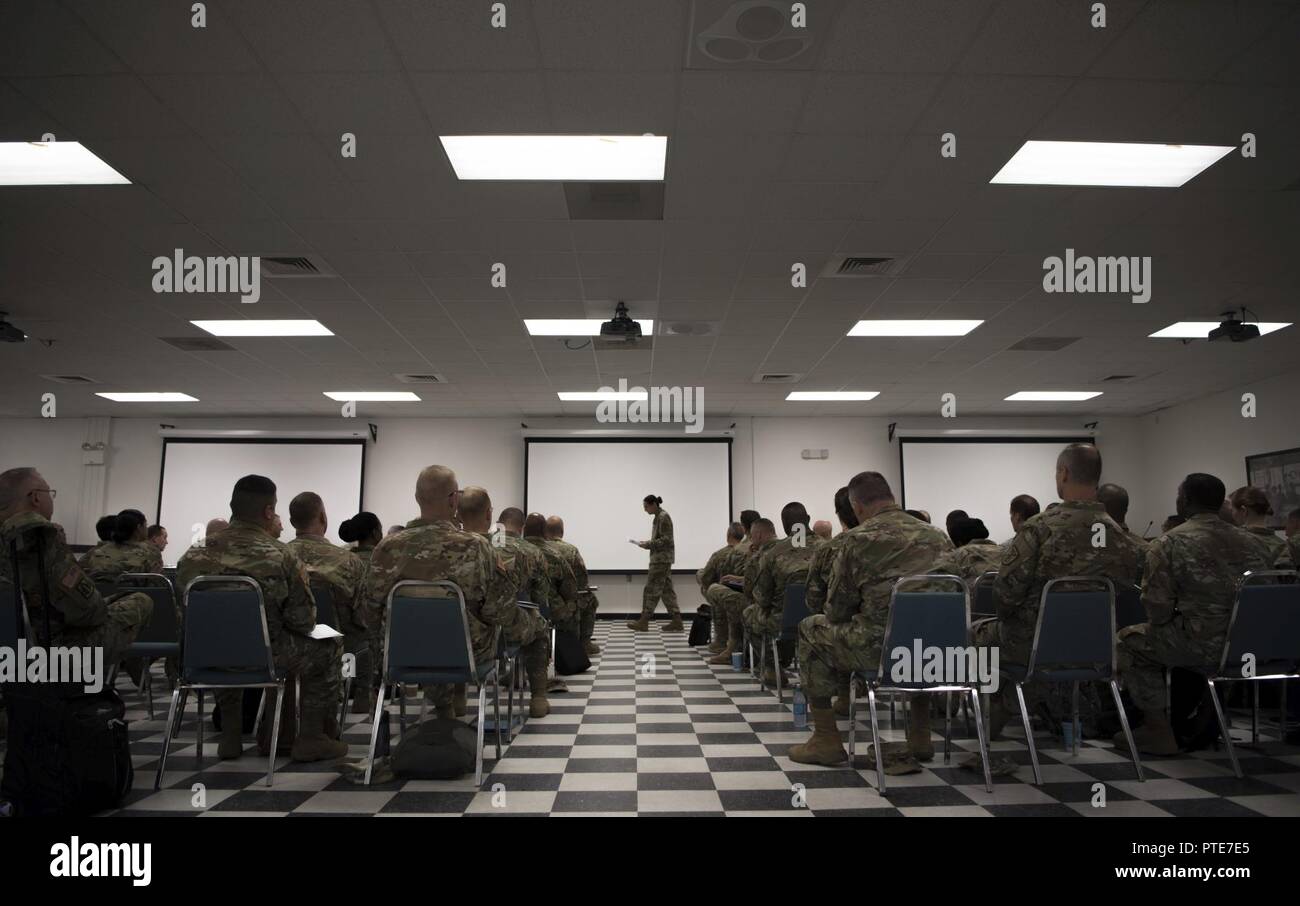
{"x": 777, "y": 378}
{"x": 281, "y": 266}
{"x": 1043, "y": 344}
{"x": 69, "y": 379}
{"x": 1119, "y": 377}
{"x": 421, "y": 378}
{"x": 688, "y": 328}
{"x": 198, "y": 344}
{"x": 879, "y": 264}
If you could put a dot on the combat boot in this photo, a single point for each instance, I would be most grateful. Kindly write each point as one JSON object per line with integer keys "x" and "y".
{"x": 312, "y": 744}
{"x": 769, "y": 676}
{"x": 918, "y": 728}
{"x": 1155, "y": 737}
{"x": 841, "y": 703}
{"x": 363, "y": 700}
{"x": 458, "y": 700}
{"x": 720, "y": 641}
{"x": 997, "y": 717}
{"x": 231, "y": 745}
{"x": 675, "y": 624}
{"x": 824, "y": 747}
{"x": 722, "y": 658}
{"x": 591, "y": 647}
{"x": 641, "y": 624}
{"x": 538, "y": 704}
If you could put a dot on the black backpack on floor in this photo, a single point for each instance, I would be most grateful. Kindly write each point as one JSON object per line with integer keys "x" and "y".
{"x": 68, "y": 751}
{"x": 570, "y": 654}
{"x": 701, "y": 627}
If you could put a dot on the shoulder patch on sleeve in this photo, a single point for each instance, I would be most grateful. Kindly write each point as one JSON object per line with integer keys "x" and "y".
{"x": 501, "y": 566}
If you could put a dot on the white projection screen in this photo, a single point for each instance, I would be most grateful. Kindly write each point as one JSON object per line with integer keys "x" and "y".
{"x": 597, "y": 486}
{"x": 198, "y": 475}
{"x": 979, "y": 475}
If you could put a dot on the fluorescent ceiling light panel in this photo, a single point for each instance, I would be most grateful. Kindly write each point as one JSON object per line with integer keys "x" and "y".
{"x": 902, "y": 327}
{"x": 149, "y": 397}
{"x": 1052, "y": 396}
{"x": 832, "y": 395}
{"x": 1199, "y": 330}
{"x": 577, "y": 327}
{"x": 54, "y": 164}
{"x": 248, "y": 327}
{"x": 372, "y": 396}
{"x": 571, "y": 158}
{"x": 598, "y": 396}
{"x": 1107, "y": 164}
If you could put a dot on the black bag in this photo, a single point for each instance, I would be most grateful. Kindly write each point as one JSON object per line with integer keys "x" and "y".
{"x": 68, "y": 752}
{"x": 570, "y": 654}
{"x": 440, "y": 749}
{"x": 701, "y": 627}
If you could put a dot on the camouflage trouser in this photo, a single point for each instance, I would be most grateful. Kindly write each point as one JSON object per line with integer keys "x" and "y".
{"x": 659, "y": 584}
{"x": 828, "y": 651}
{"x": 761, "y": 622}
{"x": 317, "y": 664}
{"x": 533, "y": 637}
{"x": 126, "y": 617}
{"x": 587, "y": 606}
{"x": 730, "y": 604}
{"x": 1145, "y": 651}
{"x": 1013, "y": 648}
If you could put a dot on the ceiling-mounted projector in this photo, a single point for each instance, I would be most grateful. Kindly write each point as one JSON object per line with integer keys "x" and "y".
{"x": 1234, "y": 329}
{"x": 9, "y": 333}
{"x": 622, "y": 328}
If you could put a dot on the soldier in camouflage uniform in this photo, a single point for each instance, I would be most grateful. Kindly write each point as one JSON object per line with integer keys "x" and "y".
{"x": 246, "y": 548}
{"x": 587, "y": 602}
{"x": 1191, "y": 582}
{"x": 127, "y": 551}
{"x": 1251, "y": 511}
{"x": 529, "y": 630}
{"x": 365, "y": 531}
{"x": 886, "y": 546}
{"x": 79, "y": 616}
{"x": 342, "y": 571}
{"x": 432, "y": 548}
{"x": 974, "y": 555}
{"x": 659, "y": 576}
{"x": 1115, "y": 499}
{"x": 1023, "y": 508}
{"x": 784, "y": 564}
{"x": 762, "y": 536}
{"x": 561, "y": 584}
{"x": 104, "y": 529}
{"x": 1058, "y": 542}
{"x": 819, "y": 577}
{"x": 710, "y": 574}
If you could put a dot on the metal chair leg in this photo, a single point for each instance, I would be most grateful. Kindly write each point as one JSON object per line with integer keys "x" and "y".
{"x": 1029, "y": 735}
{"x": 1254, "y": 714}
{"x": 983, "y": 740}
{"x": 146, "y": 680}
{"x": 947, "y": 728}
{"x": 1281, "y": 714}
{"x": 877, "y": 745}
{"x": 1223, "y": 728}
{"x": 198, "y": 752}
{"x": 275, "y": 735}
{"x": 478, "y": 747}
{"x": 374, "y": 730}
{"x": 853, "y": 713}
{"x": 1075, "y": 723}
{"x": 762, "y": 664}
{"x": 1128, "y": 734}
{"x": 496, "y": 708}
{"x": 167, "y": 737}
{"x": 776, "y": 670}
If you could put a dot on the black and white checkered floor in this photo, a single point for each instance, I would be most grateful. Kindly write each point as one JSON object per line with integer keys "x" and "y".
{"x": 653, "y": 729}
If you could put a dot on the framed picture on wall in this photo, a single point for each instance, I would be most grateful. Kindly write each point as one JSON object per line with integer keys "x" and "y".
{"x": 1277, "y": 475}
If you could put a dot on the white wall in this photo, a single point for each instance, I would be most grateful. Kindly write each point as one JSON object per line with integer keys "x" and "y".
{"x": 1148, "y": 455}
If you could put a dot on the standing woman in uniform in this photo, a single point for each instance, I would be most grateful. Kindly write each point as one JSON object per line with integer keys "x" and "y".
{"x": 659, "y": 578}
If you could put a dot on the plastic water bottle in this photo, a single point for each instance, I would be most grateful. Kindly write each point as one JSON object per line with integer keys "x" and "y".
{"x": 800, "y": 709}
{"x": 1067, "y": 735}
{"x": 737, "y": 661}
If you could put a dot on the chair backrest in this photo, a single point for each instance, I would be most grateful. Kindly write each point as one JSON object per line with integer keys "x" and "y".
{"x": 323, "y": 592}
{"x": 224, "y": 626}
{"x": 162, "y": 626}
{"x": 428, "y": 629}
{"x": 1265, "y": 623}
{"x": 1076, "y": 627}
{"x": 796, "y": 608}
{"x": 985, "y": 604}
{"x": 11, "y": 612}
{"x": 1129, "y": 610}
{"x": 929, "y": 617}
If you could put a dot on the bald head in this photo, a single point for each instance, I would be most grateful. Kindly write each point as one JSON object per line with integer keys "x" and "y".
{"x": 822, "y": 529}
{"x": 20, "y": 492}
{"x": 535, "y": 526}
{"x": 475, "y": 509}
{"x": 1078, "y": 469}
{"x": 215, "y": 525}
{"x": 554, "y": 527}
{"x": 435, "y": 492}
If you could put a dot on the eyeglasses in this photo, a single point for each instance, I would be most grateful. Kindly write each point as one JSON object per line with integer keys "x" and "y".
{"x": 53, "y": 493}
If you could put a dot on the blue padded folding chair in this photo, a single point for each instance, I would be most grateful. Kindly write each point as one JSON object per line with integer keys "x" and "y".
{"x": 1074, "y": 642}
{"x": 427, "y": 644}
{"x": 13, "y": 617}
{"x": 794, "y": 610}
{"x": 1263, "y": 631}
{"x": 161, "y": 637}
{"x": 224, "y": 645}
{"x": 938, "y": 619}
{"x": 984, "y": 604}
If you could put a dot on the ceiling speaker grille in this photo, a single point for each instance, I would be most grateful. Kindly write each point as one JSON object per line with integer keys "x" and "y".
{"x": 282, "y": 266}
{"x": 421, "y": 378}
{"x": 69, "y": 379}
{"x": 773, "y": 377}
{"x": 198, "y": 344}
{"x": 877, "y": 264}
